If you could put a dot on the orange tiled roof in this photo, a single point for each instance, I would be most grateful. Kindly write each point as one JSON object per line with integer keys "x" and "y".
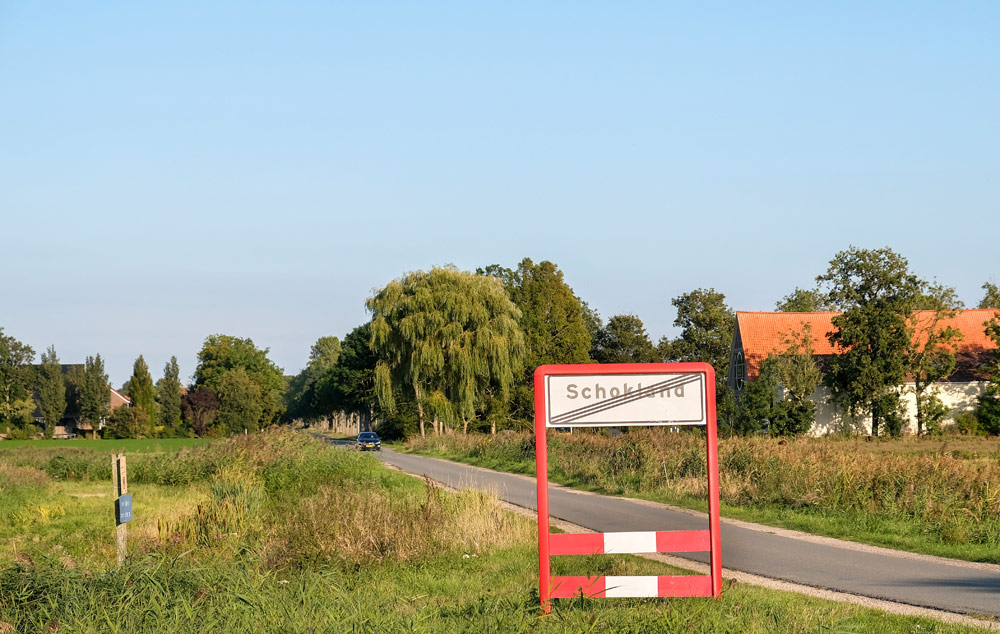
{"x": 765, "y": 333}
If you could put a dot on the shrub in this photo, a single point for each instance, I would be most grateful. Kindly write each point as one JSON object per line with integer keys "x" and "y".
{"x": 988, "y": 412}
{"x": 934, "y": 412}
{"x": 792, "y": 418}
{"x": 893, "y": 419}
{"x": 967, "y": 424}
{"x": 127, "y": 422}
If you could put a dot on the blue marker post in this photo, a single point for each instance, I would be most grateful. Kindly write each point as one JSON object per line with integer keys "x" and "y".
{"x": 123, "y": 509}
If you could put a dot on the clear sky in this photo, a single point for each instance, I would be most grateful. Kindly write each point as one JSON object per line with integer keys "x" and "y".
{"x": 180, "y": 169}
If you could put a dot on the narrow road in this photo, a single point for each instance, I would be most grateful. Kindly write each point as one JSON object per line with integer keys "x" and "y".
{"x": 882, "y": 575}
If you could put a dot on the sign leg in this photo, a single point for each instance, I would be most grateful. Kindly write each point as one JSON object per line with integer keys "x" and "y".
{"x": 542, "y": 482}
{"x": 119, "y": 479}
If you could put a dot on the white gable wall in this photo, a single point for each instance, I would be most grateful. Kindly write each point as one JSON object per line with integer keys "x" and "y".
{"x": 830, "y": 418}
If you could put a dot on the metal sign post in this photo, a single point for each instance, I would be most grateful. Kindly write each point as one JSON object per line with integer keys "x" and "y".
{"x": 123, "y": 503}
{"x": 614, "y": 395}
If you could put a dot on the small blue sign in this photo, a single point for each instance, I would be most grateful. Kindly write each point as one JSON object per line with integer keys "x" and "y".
{"x": 123, "y": 509}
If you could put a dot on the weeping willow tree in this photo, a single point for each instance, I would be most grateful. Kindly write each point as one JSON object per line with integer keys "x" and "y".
{"x": 449, "y": 338}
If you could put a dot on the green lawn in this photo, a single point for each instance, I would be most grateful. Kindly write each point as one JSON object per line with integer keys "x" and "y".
{"x": 142, "y": 445}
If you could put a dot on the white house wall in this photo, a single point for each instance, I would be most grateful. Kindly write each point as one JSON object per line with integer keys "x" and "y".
{"x": 830, "y": 418}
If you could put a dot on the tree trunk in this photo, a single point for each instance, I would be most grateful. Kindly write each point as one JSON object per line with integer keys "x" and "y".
{"x": 917, "y": 390}
{"x": 493, "y": 427}
{"x": 465, "y": 427}
{"x": 420, "y": 411}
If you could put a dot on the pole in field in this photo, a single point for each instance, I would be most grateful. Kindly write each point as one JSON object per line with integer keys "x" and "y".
{"x": 123, "y": 503}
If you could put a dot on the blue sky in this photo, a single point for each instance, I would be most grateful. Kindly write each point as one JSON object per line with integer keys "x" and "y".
{"x": 256, "y": 169}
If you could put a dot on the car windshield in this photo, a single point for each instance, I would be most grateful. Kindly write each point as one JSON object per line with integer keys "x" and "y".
{"x": 368, "y": 435}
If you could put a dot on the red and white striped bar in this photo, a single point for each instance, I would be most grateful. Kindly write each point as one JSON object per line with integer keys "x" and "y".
{"x": 629, "y": 542}
{"x": 618, "y": 587}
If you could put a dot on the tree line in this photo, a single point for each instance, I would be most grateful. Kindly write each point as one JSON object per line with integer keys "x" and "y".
{"x": 235, "y": 388}
{"x": 447, "y": 349}
{"x": 451, "y": 349}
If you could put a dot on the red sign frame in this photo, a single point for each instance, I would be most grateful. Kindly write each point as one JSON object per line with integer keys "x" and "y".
{"x": 659, "y": 541}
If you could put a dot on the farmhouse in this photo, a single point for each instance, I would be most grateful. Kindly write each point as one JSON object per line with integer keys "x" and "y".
{"x": 759, "y": 335}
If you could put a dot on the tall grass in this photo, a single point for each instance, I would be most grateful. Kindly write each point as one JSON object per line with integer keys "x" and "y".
{"x": 283, "y": 534}
{"x": 937, "y": 496}
{"x": 493, "y": 593}
{"x": 362, "y": 527}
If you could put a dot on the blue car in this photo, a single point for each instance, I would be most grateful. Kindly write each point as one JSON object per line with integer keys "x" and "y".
{"x": 368, "y": 440}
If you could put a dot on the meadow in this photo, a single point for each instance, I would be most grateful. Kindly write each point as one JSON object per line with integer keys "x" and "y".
{"x": 278, "y": 532}
{"x": 141, "y": 445}
{"x": 934, "y": 496}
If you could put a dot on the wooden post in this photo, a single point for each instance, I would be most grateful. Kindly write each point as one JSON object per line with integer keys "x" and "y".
{"x": 119, "y": 479}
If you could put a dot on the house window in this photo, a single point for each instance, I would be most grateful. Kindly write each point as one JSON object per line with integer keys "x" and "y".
{"x": 741, "y": 371}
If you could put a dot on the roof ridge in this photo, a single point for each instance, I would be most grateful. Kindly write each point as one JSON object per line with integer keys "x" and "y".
{"x": 788, "y": 312}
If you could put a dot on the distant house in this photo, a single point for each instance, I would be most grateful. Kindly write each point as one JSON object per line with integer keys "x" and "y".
{"x": 759, "y": 335}
{"x": 119, "y": 400}
{"x": 71, "y": 425}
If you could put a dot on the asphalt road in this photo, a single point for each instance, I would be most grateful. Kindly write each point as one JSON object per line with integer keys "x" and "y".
{"x": 880, "y": 575}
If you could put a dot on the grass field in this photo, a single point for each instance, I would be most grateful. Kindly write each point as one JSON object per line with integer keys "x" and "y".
{"x": 934, "y": 496}
{"x": 279, "y": 533}
{"x": 141, "y": 445}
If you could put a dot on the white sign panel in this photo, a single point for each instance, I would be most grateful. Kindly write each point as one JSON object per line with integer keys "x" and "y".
{"x": 594, "y": 400}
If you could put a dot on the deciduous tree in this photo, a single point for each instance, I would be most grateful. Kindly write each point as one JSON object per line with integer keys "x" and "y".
{"x": 95, "y": 392}
{"x": 51, "y": 387}
{"x": 804, "y": 301}
{"x": 221, "y": 353}
{"x": 877, "y": 294}
{"x": 127, "y": 422}
{"x": 301, "y": 398}
{"x": 988, "y": 407}
{"x": 930, "y": 354}
{"x": 446, "y": 336}
{"x": 796, "y": 371}
{"x": 623, "y": 340}
{"x": 707, "y": 326}
{"x": 349, "y": 384}
{"x": 16, "y": 404}
{"x": 239, "y": 403}
{"x": 779, "y": 399}
{"x": 755, "y": 409}
{"x": 558, "y": 326}
{"x": 991, "y": 298}
{"x": 74, "y": 388}
{"x": 143, "y": 394}
{"x": 200, "y": 407}
{"x": 552, "y": 316}
{"x": 168, "y": 397}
